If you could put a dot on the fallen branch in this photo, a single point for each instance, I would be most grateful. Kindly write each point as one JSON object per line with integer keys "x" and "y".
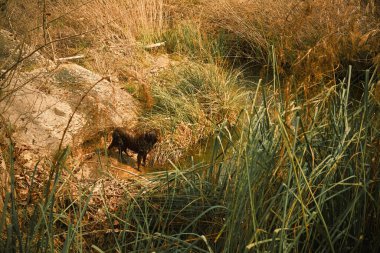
{"x": 151, "y": 46}
{"x": 75, "y": 57}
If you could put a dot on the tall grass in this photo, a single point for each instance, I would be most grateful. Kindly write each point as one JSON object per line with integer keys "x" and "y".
{"x": 33, "y": 227}
{"x": 318, "y": 194}
{"x": 314, "y": 40}
{"x": 188, "y": 38}
{"x": 104, "y": 32}
{"x": 311, "y": 185}
{"x": 190, "y": 101}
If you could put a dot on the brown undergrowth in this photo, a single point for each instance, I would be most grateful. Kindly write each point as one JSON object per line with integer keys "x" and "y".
{"x": 313, "y": 40}
{"x": 291, "y": 180}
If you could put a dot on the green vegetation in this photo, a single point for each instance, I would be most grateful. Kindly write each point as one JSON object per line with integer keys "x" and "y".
{"x": 295, "y": 159}
{"x": 188, "y": 39}
{"x": 309, "y": 186}
{"x": 190, "y": 101}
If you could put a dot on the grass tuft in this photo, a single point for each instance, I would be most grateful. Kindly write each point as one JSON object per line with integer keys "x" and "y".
{"x": 190, "y": 101}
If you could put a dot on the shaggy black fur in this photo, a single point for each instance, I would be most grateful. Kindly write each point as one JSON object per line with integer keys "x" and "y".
{"x": 140, "y": 143}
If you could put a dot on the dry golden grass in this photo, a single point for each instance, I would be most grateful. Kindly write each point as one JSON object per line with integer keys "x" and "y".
{"x": 312, "y": 39}
{"x": 102, "y": 26}
{"x": 110, "y": 34}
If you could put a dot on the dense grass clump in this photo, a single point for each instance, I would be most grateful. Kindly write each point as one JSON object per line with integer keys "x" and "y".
{"x": 190, "y": 101}
{"x": 311, "y": 185}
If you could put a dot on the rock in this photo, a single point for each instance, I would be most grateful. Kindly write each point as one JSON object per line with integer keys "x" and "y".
{"x": 40, "y": 104}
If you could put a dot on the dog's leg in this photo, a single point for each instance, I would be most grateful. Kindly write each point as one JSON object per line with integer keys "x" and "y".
{"x": 138, "y": 161}
{"x": 113, "y": 144}
{"x": 144, "y": 158}
{"x": 120, "y": 154}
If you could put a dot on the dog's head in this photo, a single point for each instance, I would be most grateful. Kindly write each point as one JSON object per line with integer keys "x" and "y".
{"x": 152, "y": 136}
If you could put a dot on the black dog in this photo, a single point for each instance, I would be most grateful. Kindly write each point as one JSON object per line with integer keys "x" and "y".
{"x": 140, "y": 143}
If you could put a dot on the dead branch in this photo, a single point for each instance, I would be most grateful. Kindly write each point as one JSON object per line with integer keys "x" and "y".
{"x": 75, "y": 57}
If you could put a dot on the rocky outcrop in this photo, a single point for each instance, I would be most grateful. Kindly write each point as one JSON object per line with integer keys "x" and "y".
{"x": 41, "y": 103}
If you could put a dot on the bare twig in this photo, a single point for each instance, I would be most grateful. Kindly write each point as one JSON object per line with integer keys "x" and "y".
{"x": 4, "y": 179}
{"x": 46, "y": 33}
{"x": 44, "y": 21}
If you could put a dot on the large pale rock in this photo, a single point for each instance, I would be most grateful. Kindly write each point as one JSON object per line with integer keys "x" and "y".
{"x": 42, "y": 102}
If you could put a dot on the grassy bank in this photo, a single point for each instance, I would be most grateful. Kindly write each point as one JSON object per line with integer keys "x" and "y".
{"x": 311, "y": 185}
